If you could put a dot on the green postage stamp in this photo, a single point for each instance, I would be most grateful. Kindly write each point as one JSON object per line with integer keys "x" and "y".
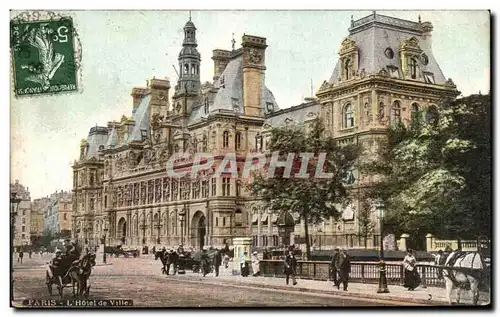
{"x": 45, "y": 54}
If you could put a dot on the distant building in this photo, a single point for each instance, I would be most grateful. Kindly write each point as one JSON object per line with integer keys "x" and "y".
{"x": 21, "y": 219}
{"x": 57, "y": 215}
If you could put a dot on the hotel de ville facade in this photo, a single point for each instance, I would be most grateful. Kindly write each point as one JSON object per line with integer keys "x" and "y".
{"x": 385, "y": 72}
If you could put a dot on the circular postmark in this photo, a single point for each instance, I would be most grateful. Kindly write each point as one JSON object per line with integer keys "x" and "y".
{"x": 46, "y": 53}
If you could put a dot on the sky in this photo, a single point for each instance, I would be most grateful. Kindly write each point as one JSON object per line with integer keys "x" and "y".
{"x": 123, "y": 49}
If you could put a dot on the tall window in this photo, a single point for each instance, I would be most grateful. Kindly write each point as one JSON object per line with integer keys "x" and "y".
{"x": 106, "y": 201}
{"x": 348, "y": 116}
{"x": 414, "y": 111}
{"x": 396, "y": 112}
{"x": 238, "y": 188}
{"x": 413, "y": 68}
{"x": 196, "y": 190}
{"x": 23, "y": 221}
{"x": 226, "y": 186}
{"x": 347, "y": 66}
{"x": 432, "y": 114}
{"x": 225, "y": 139}
{"x": 204, "y": 188}
{"x": 23, "y": 228}
{"x": 205, "y": 143}
{"x": 237, "y": 141}
{"x": 65, "y": 216}
{"x": 214, "y": 186}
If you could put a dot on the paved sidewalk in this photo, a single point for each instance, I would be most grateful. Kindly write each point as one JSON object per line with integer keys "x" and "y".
{"x": 428, "y": 295}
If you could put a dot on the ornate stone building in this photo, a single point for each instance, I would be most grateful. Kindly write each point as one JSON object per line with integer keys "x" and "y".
{"x": 386, "y": 72}
{"x": 21, "y": 219}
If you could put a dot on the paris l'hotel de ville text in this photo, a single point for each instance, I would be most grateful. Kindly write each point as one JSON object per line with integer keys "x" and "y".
{"x": 385, "y": 71}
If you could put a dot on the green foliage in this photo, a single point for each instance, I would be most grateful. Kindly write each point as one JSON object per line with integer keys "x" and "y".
{"x": 436, "y": 174}
{"x": 314, "y": 199}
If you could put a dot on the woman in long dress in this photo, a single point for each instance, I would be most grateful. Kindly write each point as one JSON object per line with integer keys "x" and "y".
{"x": 412, "y": 279}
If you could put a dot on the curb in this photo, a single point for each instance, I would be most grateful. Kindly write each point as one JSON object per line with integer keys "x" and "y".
{"x": 316, "y": 291}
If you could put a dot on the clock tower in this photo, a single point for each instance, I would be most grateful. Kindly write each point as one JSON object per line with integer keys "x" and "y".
{"x": 187, "y": 89}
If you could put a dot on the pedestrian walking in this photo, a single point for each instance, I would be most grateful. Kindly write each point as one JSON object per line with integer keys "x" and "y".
{"x": 344, "y": 269}
{"x": 217, "y": 261}
{"x": 334, "y": 266}
{"x": 244, "y": 264}
{"x": 29, "y": 253}
{"x": 255, "y": 264}
{"x": 205, "y": 264}
{"x": 20, "y": 258}
{"x": 290, "y": 267}
{"x": 411, "y": 279}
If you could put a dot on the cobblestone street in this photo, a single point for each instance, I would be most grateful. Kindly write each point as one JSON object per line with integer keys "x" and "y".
{"x": 140, "y": 279}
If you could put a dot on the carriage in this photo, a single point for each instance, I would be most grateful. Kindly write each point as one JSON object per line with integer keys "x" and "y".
{"x": 120, "y": 251}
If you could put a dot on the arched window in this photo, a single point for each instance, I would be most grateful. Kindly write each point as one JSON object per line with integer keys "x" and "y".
{"x": 396, "y": 112}
{"x": 414, "y": 111}
{"x": 237, "y": 141}
{"x": 348, "y": 116}
{"x": 347, "y": 66}
{"x": 205, "y": 143}
{"x": 225, "y": 139}
{"x": 432, "y": 114}
{"x": 413, "y": 68}
{"x": 367, "y": 111}
{"x": 186, "y": 69}
{"x": 193, "y": 69}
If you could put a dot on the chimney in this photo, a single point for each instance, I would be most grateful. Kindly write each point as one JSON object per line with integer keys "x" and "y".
{"x": 221, "y": 59}
{"x": 254, "y": 66}
{"x": 137, "y": 95}
{"x": 427, "y": 30}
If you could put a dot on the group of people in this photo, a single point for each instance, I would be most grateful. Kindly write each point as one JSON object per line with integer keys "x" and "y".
{"x": 60, "y": 260}
{"x": 245, "y": 261}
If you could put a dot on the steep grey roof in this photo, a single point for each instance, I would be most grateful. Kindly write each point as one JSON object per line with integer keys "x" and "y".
{"x": 141, "y": 119}
{"x": 230, "y": 86}
{"x": 98, "y": 136}
{"x": 381, "y": 32}
{"x": 294, "y": 115}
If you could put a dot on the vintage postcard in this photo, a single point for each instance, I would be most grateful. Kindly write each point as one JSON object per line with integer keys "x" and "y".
{"x": 250, "y": 158}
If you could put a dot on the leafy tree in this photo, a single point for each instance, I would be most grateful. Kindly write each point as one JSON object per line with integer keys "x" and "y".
{"x": 311, "y": 197}
{"x": 435, "y": 174}
{"x": 366, "y": 224}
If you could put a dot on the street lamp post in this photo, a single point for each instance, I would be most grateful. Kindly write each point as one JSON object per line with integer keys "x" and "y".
{"x": 158, "y": 226}
{"x": 182, "y": 214}
{"x": 104, "y": 246}
{"x": 382, "y": 282}
{"x": 143, "y": 227}
{"x": 14, "y": 205}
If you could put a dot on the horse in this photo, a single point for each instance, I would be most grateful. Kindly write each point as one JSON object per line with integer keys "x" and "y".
{"x": 80, "y": 277}
{"x": 462, "y": 270}
{"x": 77, "y": 274}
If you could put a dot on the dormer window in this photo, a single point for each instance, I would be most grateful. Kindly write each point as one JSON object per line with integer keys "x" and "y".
{"x": 347, "y": 66}
{"x": 393, "y": 71}
{"x": 222, "y": 82}
{"x": 269, "y": 106}
{"x": 413, "y": 68}
{"x": 429, "y": 78}
{"x": 205, "y": 143}
{"x": 144, "y": 134}
{"x": 237, "y": 141}
{"x": 236, "y": 104}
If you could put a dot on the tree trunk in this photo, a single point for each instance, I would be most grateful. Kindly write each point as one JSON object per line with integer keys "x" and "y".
{"x": 308, "y": 243}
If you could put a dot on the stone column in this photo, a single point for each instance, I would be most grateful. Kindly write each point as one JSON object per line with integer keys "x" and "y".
{"x": 402, "y": 242}
{"x": 429, "y": 244}
{"x": 241, "y": 245}
{"x": 259, "y": 228}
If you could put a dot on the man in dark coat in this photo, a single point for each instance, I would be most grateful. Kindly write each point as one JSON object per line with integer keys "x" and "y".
{"x": 344, "y": 269}
{"x": 334, "y": 266}
{"x": 290, "y": 267}
{"x": 205, "y": 262}
{"x": 169, "y": 256}
{"x": 217, "y": 261}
